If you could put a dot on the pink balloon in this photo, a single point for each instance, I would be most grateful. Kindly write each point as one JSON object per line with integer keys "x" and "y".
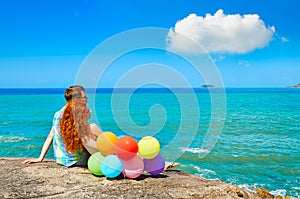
{"x": 155, "y": 165}
{"x": 133, "y": 168}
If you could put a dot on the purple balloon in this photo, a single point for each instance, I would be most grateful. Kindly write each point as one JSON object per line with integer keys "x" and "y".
{"x": 155, "y": 165}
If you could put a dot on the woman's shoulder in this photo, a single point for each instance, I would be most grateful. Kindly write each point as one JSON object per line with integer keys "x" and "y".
{"x": 59, "y": 113}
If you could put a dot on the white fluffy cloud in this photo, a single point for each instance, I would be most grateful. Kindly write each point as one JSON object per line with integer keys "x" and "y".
{"x": 220, "y": 33}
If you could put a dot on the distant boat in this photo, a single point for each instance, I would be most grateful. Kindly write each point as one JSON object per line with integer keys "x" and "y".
{"x": 207, "y": 86}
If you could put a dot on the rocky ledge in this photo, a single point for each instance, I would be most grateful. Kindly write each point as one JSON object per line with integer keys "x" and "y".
{"x": 49, "y": 180}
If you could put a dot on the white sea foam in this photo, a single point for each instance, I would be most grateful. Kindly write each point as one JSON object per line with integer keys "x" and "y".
{"x": 200, "y": 171}
{"x": 281, "y": 192}
{"x": 251, "y": 188}
{"x": 193, "y": 150}
{"x": 13, "y": 139}
{"x": 5, "y": 122}
{"x": 204, "y": 171}
{"x": 246, "y": 187}
{"x": 297, "y": 195}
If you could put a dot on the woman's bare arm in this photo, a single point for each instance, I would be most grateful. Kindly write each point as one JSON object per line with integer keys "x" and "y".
{"x": 44, "y": 151}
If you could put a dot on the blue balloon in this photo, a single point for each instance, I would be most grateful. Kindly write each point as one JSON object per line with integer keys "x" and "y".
{"x": 111, "y": 166}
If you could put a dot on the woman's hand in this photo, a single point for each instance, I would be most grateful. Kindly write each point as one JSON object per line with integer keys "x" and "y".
{"x": 32, "y": 160}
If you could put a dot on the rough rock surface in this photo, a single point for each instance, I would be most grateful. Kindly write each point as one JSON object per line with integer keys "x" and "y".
{"x": 49, "y": 180}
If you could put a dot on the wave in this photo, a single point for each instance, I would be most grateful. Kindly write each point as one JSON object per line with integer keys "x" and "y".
{"x": 13, "y": 139}
{"x": 249, "y": 187}
{"x": 212, "y": 175}
{"x": 194, "y": 150}
{"x": 281, "y": 192}
{"x": 5, "y": 122}
{"x": 277, "y": 192}
{"x": 204, "y": 172}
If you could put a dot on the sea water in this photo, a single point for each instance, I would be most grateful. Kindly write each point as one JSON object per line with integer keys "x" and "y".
{"x": 258, "y": 146}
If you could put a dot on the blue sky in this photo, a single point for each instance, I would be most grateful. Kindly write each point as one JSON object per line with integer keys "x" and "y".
{"x": 254, "y": 43}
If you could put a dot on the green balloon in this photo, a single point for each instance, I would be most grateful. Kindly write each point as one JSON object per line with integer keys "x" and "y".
{"x": 94, "y": 163}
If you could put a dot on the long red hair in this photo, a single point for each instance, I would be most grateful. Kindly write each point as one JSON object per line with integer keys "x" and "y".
{"x": 74, "y": 127}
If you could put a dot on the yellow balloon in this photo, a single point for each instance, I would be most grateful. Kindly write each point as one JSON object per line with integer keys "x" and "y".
{"x": 149, "y": 147}
{"x": 106, "y": 142}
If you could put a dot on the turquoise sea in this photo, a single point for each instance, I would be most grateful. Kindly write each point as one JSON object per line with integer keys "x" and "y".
{"x": 259, "y": 145}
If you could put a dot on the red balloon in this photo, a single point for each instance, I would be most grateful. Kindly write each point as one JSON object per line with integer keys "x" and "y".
{"x": 126, "y": 148}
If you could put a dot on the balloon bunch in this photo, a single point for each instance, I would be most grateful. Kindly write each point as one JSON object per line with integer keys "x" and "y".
{"x": 125, "y": 155}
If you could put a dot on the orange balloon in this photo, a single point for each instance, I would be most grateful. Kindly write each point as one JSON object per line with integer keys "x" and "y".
{"x": 106, "y": 142}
